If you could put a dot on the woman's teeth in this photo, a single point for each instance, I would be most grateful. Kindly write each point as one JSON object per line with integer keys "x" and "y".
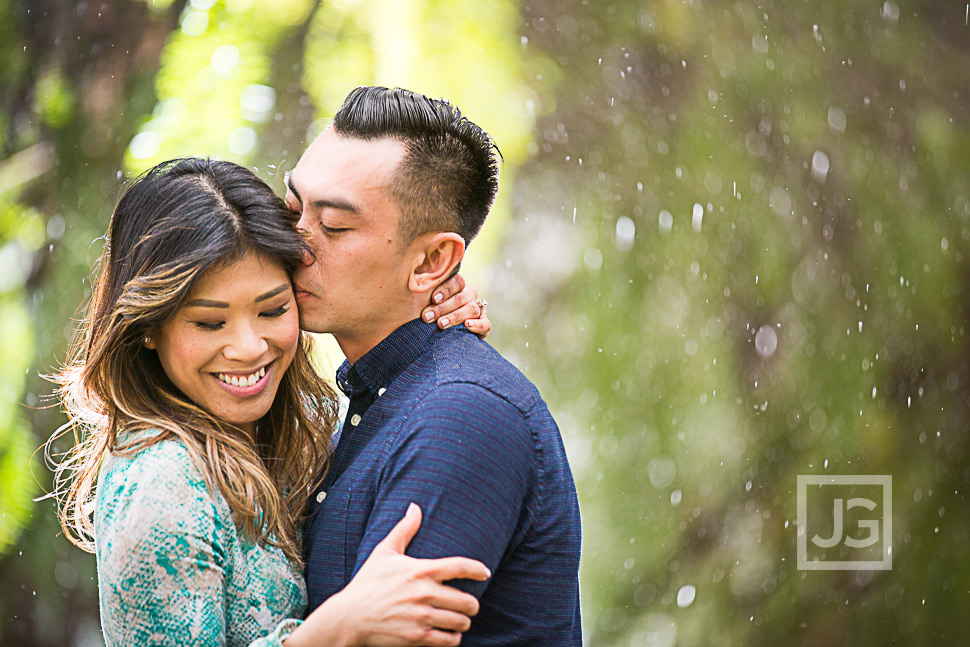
{"x": 245, "y": 380}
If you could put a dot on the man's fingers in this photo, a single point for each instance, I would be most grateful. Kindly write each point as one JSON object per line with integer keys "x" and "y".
{"x": 449, "y": 620}
{"x": 448, "y": 598}
{"x": 402, "y": 533}
{"x": 438, "y": 638}
{"x": 452, "y": 286}
{"x": 456, "y": 568}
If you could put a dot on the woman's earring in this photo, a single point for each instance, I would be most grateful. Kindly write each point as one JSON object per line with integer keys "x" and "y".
{"x": 148, "y": 339}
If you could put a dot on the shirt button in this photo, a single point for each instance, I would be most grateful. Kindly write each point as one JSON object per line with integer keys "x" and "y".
{"x": 355, "y": 420}
{"x": 321, "y": 496}
{"x": 380, "y": 392}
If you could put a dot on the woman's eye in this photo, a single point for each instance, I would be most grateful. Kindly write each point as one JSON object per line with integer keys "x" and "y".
{"x": 275, "y": 312}
{"x": 209, "y": 325}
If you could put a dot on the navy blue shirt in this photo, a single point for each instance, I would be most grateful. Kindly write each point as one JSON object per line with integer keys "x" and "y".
{"x": 439, "y": 418}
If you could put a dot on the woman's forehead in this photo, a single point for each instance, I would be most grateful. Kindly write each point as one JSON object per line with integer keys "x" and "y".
{"x": 248, "y": 276}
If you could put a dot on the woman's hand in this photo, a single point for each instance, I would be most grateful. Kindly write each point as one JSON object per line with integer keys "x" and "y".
{"x": 455, "y": 302}
{"x": 396, "y": 600}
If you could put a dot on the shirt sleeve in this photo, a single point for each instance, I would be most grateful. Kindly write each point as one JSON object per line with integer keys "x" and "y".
{"x": 467, "y": 457}
{"x": 162, "y": 554}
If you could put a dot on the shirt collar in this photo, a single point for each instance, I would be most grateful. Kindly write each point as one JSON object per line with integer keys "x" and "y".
{"x": 381, "y": 364}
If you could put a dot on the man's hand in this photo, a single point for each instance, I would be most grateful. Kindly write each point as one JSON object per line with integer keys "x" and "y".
{"x": 396, "y": 600}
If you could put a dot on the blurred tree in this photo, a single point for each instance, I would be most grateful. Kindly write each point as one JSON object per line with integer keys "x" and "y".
{"x": 97, "y": 92}
{"x": 738, "y": 253}
{"x": 66, "y": 68}
{"x": 749, "y": 224}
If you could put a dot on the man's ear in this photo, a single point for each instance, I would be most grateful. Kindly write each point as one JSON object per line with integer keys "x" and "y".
{"x": 435, "y": 256}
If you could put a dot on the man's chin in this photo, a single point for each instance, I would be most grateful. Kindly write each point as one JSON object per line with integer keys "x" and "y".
{"x": 309, "y": 323}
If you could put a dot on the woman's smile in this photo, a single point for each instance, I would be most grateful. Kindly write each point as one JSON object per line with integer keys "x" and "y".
{"x": 228, "y": 347}
{"x": 245, "y": 384}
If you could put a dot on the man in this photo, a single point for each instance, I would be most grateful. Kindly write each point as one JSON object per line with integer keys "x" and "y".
{"x": 390, "y": 196}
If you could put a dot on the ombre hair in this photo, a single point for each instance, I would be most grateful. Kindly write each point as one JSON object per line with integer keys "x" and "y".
{"x": 176, "y": 222}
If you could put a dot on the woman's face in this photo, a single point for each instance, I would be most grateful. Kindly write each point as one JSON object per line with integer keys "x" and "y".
{"x": 229, "y": 344}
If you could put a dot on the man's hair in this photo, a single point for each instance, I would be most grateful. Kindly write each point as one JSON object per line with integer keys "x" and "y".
{"x": 448, "y": 178}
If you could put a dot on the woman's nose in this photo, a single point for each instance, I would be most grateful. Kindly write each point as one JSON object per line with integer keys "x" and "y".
{"x": 246, "y": 345}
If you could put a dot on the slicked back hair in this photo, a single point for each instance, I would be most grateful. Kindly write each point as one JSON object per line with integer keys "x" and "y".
{"x": 448, "y": 178}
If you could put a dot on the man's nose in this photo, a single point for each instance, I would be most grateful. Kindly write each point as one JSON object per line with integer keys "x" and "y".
{"x": 246, "y": 344}
{"x": 302, "y": 226}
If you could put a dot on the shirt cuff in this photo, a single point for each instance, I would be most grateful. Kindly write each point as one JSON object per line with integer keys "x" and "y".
{"x": 281, "y": 633}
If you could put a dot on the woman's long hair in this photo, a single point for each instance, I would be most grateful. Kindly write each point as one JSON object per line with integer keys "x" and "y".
{"x": 176, "y": 222}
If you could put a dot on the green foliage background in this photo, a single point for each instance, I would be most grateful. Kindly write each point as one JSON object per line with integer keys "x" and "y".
{"x": 730, "y": 248}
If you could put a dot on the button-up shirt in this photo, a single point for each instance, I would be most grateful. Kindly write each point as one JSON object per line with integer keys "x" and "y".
{"x": 440, "y": 419}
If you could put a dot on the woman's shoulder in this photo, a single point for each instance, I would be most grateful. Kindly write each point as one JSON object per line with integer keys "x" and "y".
{"x": 140, "y": 455}
{"x": 159, "y": 477}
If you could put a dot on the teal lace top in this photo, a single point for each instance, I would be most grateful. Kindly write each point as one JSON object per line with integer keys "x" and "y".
{"x": 172, "y": 568}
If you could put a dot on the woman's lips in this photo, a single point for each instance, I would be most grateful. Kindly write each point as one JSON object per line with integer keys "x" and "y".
{"x": 244, "y": 389}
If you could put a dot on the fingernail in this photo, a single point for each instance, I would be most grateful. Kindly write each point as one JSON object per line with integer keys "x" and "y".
{"x": 469, "y": 324}
{"x": 445, "y": 321}
{"x": 438, "y": 297}
{"x": 412, "y": 510}
{"x": 428, "y": 316}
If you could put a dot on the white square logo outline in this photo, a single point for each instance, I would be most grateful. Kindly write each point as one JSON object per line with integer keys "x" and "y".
{"x": 803, "y": 481}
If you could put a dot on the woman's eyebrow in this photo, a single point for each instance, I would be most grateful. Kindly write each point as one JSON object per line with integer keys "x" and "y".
{"x": 272, "y": 293}
{"x": 208, "y": 303}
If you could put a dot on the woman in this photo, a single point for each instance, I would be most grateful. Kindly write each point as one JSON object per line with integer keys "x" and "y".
{"x": 201, "y": 426}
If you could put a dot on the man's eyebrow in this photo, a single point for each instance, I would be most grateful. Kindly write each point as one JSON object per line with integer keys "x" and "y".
{"x": 208, "y": 303}
{"x": 335, "y": 203}
{"x": 325, "y": 203}
{"x": 289, "y": 183}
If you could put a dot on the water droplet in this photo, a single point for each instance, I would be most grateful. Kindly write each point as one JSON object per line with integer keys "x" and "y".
{"x": 890, "y": 11}
{"x": 780, "y": 201}
{"x": 697, "y": 218}
{"x": 626, "y": 231}
{"x": 837, "y": 120}
{"x": 820, "y": 166}
{"x": 666, "y": 221}
{"x": 766, "y": 341}
{"x": 686, "y": 595}
{"x": 593, "y": 259}
{"x": 661, "y": 471}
